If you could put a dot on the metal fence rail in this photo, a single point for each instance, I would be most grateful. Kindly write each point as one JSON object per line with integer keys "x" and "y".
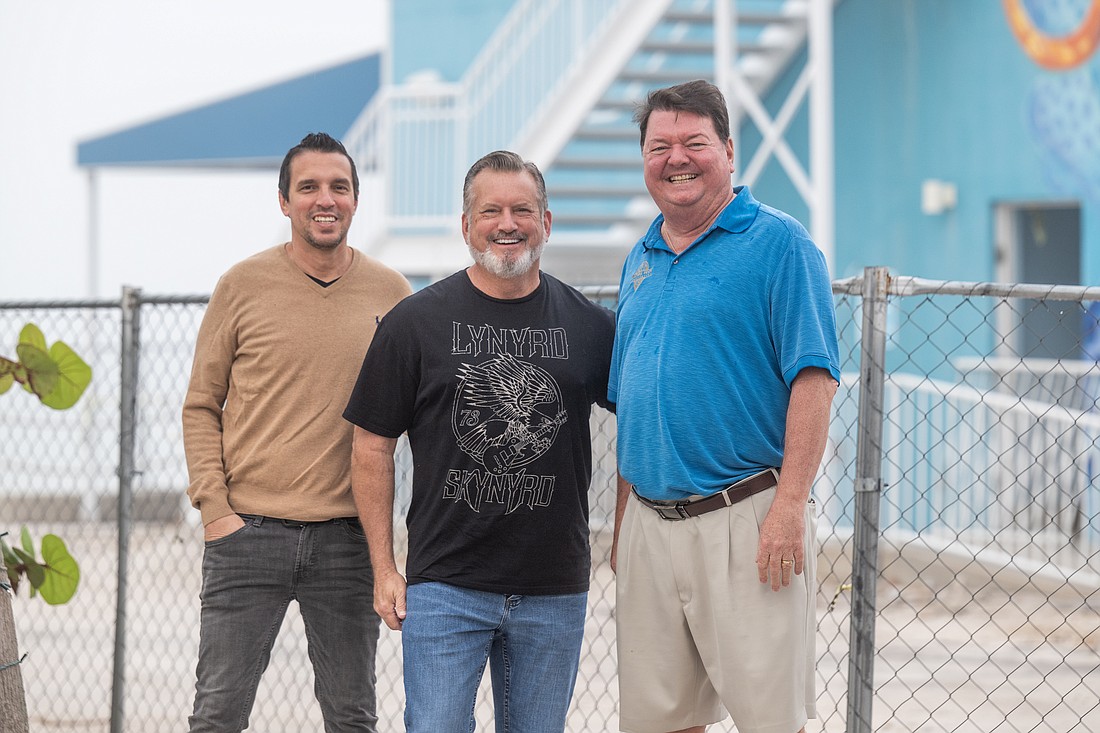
{"x": 959, "y": 579}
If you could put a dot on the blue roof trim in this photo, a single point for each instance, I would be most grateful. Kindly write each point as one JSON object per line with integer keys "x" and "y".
{"x": 252, "y": 130}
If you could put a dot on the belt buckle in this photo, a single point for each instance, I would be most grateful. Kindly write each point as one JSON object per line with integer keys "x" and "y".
{"x": 671, "y": 512}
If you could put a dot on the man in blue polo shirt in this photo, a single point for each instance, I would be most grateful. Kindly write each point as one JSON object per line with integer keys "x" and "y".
{"x": 724, "y": 370}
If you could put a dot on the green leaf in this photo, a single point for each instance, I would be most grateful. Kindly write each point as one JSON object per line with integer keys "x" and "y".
{"x": 32, "y": 334}
{"x": 57, "y": 376}
{"x": 62, "y": 571}
{"x": 36, "y": 574}
{"x": 30, "y": 337}
{"x": 10, "y": 561}
{"x": 74, "y": 375}
{"x": 13, "y": 578}
{"x": 42, "y": 371}
{"x": 9, "y": 556}
{"x": 26, "y": 541}
{"x": 21, "y": 376}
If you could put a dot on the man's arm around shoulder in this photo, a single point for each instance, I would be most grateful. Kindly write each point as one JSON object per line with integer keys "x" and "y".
{"x": 372, "y": 484}
{"x": 622, "y": 496}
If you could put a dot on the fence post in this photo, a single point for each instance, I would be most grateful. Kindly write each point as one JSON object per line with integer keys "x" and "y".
{"x": 13, "y": 699}
{"x": 868, "y": 492}
{"x": 131, "y": 347}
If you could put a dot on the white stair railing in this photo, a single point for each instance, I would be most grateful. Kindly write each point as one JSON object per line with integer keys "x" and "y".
{"x": 534, "y": 82}
{"x": 421, "y": 136}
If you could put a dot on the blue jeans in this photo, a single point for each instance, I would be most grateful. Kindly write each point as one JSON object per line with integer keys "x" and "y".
{"x": 249, "y": 579}
{"x": 532, "y": 643}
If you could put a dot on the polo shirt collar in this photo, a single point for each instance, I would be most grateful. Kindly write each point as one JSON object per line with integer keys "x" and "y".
{"x": 737, "y": 217}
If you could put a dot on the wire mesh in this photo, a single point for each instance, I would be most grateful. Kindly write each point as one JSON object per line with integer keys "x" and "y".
{"x": 987, "y": 605}
{"x": 988, "y": 594}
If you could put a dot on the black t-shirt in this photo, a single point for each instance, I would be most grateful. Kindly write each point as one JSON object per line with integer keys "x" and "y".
{"x": 496, "y": 397}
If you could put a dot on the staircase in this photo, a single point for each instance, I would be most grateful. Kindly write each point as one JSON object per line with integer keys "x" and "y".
{"x": 571, "y": 113}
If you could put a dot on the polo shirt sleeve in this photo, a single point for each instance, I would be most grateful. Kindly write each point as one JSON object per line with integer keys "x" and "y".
{"x": 803, "y": 313}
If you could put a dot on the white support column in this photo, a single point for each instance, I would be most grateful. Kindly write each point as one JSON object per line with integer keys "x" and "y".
{"x": 813, "y": 179}
{"x": 726, "y": 73}
{"x": 822, "y": 172}
{"x": 93, "y": 233}
{"x": 725, "y": 53}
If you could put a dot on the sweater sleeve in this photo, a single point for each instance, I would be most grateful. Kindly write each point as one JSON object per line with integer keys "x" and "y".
{"x": 203, "y": 407}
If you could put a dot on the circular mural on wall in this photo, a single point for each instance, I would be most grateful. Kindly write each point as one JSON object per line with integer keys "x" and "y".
{"x": 1055, "y": 52}
{"x": 1063, "y": 106}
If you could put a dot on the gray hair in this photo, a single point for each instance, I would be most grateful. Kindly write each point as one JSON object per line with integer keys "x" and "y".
{"x": 507, "y": 161}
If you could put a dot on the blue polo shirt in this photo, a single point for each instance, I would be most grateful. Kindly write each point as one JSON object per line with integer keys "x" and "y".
{"x": 707, "y": 345}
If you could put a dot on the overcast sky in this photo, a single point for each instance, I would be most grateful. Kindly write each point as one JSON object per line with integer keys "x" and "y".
{"x": 70, "y": 71}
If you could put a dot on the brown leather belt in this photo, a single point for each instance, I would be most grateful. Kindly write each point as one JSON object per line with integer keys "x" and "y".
{"x": 743, "y": 489}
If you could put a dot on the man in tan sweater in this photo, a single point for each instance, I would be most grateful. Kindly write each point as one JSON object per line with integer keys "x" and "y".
{"x": 269, "y": 454}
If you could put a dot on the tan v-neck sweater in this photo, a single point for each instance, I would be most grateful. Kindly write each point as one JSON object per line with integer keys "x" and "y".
{"x": 275, "y": 361}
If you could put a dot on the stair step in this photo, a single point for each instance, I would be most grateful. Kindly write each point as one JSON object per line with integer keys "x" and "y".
{"x": 744, "y": 17}
{"x": 665, "y": 76}
{"x": 627, "y": 105}
{"x": 699, "y": 48}
{"x": 763, "y": 17}
{"x": 595, "y": 192}
{"x": 749, "y": 64}
{"x": 607, "y": 134}
{"x": 680, "y": 47}
{"x": 599, "y": 220}
{"x": 590, "y": 163}
{"x": 698, "y": 17}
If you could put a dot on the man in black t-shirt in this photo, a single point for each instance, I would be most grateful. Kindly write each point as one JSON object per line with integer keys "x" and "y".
{"x": 492, "y": 372}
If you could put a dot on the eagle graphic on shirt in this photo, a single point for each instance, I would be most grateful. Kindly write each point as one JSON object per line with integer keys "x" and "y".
{"x": 506, "y": 412}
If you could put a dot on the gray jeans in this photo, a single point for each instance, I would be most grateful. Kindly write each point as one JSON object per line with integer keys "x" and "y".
{"x": 249, "y": 578}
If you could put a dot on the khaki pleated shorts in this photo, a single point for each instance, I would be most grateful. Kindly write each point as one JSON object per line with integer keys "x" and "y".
{"x": 698, "y": 634}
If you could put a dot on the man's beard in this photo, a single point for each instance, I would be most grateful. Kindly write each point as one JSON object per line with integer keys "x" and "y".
{"x": 507, "y": 268}
{"x": 324, "y": 246}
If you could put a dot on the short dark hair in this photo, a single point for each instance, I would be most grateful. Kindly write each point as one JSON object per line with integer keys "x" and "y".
{"x": 698, "y": 97}
{"x": 503, "y": 160}
{"x": 318, "y": 142}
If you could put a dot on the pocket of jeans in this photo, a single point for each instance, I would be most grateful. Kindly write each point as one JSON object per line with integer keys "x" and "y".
{"x": 229, "y": 537}
{"x": 354, "y": 530}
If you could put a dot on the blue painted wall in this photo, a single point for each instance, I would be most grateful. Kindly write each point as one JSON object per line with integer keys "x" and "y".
{"x": 923, "y": 89}
{"x": 941, "y": 89}
{"x": 444, "y": 36}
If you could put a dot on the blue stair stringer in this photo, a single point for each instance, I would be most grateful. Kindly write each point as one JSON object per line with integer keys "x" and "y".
{"x": 595, "y": 183}
{"x": 566, "y": 100}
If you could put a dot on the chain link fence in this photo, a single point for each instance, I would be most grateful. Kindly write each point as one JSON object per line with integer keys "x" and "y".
{"x": 959, "y": 583}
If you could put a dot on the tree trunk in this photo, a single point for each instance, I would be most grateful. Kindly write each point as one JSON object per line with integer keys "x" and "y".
{"x": 13, "y": 703}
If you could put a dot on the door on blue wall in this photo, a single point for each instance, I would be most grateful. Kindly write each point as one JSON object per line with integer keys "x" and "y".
{"x": 1040, "y": 243}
